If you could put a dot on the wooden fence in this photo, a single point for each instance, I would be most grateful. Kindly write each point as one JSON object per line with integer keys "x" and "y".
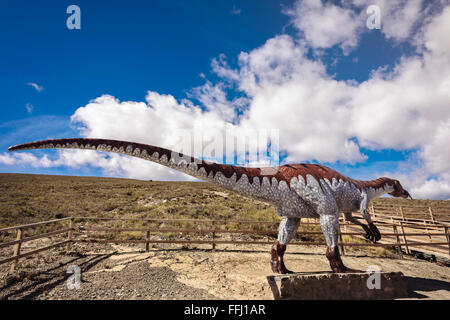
{"x": 21, "y": 239}
{"x": 397, "y": 231}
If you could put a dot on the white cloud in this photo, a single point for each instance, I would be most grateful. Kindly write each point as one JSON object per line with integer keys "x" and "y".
{"x": 37, "y": 87}
{"x": 324, "y": 25}
{"x": 433, "y": 189}
{"x": 111, "y": 164}
{"x": 29, "y": 107}
{"x": 25, "y": 158}
{"x": 398, "y": 17}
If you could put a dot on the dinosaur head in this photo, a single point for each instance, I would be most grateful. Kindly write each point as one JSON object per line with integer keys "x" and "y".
{"x": 398, "y": 191}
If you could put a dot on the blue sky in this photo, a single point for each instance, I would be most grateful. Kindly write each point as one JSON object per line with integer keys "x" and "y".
{"x": 127, "y": 48}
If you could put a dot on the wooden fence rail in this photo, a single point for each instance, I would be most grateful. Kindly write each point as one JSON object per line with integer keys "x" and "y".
{"x": 20, "y": 239}
{"x": 397, "y": 231}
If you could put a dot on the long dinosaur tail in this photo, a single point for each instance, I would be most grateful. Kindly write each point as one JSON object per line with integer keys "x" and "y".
{"x": 192, "y": 166}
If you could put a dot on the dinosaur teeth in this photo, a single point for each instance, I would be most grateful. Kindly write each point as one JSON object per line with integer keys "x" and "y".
{"x": 129, "y": 149}
{"x": 137, "y": 152}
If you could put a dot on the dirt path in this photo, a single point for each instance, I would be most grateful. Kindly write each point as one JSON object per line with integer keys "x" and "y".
{"x": 169, "y": 272}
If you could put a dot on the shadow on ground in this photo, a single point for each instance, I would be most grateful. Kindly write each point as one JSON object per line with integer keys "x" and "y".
{"x": 414, "y": 284}
{"x": 49, "y": 279}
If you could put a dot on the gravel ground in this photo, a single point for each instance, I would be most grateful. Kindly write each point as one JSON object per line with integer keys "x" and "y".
{"x": 175, "y": 272}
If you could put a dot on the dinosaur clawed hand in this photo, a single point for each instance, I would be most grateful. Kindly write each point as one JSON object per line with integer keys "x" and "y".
{"x": 276, "y": 258}
{"x": 372, "y": 232}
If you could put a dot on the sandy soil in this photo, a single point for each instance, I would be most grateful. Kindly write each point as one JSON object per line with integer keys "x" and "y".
{"x": 175, "y": 272}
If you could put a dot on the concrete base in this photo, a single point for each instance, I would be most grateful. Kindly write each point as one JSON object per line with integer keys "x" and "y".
{"x": 336, "y": 286}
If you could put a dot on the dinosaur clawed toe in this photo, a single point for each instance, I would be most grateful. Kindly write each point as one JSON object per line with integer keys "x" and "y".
{"x": 336, "y": 263}
{"x": 276, "y": 259}
{"x": 372, "y": 233}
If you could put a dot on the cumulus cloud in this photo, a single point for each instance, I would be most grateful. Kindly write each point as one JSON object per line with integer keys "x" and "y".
{"x": 320, "y": 118}
{"x": 324, "y": 24}
{"x": 26, "y": 158}
{"x": 399, "y": 18}
{"x": 37, "y": 87}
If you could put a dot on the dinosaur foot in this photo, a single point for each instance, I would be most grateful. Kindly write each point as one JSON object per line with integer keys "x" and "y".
{"x": 276, "y": 258}
{"x": 336, "y": 263}
{"x": 372, "y": 232}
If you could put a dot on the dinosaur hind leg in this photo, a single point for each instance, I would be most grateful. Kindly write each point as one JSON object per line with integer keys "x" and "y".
{"x": 286, "y": 231}
{"x": 330, "y": 229}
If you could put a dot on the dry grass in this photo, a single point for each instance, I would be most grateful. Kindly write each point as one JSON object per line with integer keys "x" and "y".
{"x": 31, "y": 198}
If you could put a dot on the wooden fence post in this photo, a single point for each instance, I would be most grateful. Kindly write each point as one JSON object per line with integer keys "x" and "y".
{"x": 404, "y": 238}
{"x": 431, "y": 214}
{"x": 341, "y": 241}
{"x": 70, "y": 234}
{"x": 401, "y": 212}
{"x": 426, "y": 228}
{"x": 16, "y": 249}
{"x": 214, "y": 235}
{"x": 147, "y": 243}
{"x": 399, "y": 248}
{"x": 447, "y": 234}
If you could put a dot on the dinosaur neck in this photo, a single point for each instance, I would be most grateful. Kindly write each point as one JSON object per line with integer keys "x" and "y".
{"x": 377, "y": 188}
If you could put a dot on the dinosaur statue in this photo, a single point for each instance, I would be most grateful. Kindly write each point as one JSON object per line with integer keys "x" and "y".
{"x": 296, "y": 190}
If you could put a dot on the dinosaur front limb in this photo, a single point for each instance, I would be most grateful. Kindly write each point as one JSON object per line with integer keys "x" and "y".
{"x": 286, "y": 231}
{"x": 372, "y": 232}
